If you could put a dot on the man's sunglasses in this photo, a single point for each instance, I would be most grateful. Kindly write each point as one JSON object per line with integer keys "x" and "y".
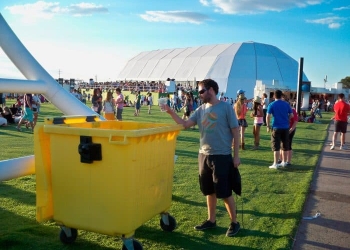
{"x": 202, "y": 91}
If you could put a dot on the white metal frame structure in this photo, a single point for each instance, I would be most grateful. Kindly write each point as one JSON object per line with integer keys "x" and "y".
{"x": 38, "y": 81}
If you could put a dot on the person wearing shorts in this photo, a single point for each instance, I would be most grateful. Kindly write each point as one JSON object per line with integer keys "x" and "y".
{"x": 258, "y": 115}
{"x": 119, "y": 103}
{"x": 282, "y": 113}
{"x": 35, "y": 108}
{"x": 341, "y": 112}
{"x": 218, "y": 127}
{"x": 241, "y": 109}
{"x": 28, "y": 113}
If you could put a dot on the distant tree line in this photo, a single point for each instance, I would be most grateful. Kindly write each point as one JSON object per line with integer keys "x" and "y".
{"x": 346, "y": 82}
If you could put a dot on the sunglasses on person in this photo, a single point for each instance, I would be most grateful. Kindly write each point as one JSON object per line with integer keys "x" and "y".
{"x": 202, "y": 91}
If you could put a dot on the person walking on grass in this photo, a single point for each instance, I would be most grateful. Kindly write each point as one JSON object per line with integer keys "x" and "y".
{"x": 28, "y": 113}
{"x": 109, "y": 107}
{"x": 265, "y": 103}
{"x": 282, "y": 113}
{"x": 150, "y": 102}
{"x": 341, "y": 112}
{"x": 138, "y": 103}
{"x": 218, "y": 127}
{"x": 241, "y": 109}
{"x": 119, "y": 102}
{"x": 258, "y": 116}
{"x": 292, "y": 128}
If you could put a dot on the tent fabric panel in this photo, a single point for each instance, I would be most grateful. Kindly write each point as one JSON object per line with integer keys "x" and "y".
{"x": 266, "y": 64}
{"x": 125, "y": 72}
{"x": 202, "y": 67}
{"x": 221, "y": 68}
{"x": 176, "y": 63}
{"x": 152, "y": 63}
{"x": 243, "y": 71}
{"x": 140, "y": 65}
{"x": 163, "y": 64}
{"x": 206, "y": 62}
{"x": 191, "y": 62}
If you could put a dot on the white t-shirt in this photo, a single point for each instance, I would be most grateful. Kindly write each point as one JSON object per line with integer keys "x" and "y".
{"x": 36, "y": 101}
{"x": 266, "y": 103}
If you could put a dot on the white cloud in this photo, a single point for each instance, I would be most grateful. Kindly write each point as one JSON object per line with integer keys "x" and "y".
{"x": 204, "y": 2}
{"x": 174, "y": 17}
{"x": 47, "y": 10}
{"x": 332, "y": 22}
{"x": 256, "y": 6}
{"x": 343, "y": 8}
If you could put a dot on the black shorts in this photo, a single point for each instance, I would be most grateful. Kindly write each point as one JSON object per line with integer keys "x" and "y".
{"x": 291, "y": 135}
{"x": 340, "y": 126}
{"x": 242, "y": 123}
{"x": 215, "y": 174}
{"x": 280, "y": 137}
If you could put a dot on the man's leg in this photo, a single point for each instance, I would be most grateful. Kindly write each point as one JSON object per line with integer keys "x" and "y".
{"x": 211, "y": 205}
{"x": 230, "y": 207}
{"x": 334, "y": 139}
{"x": 276, "y": 156}
{"x": 342, "y": 139}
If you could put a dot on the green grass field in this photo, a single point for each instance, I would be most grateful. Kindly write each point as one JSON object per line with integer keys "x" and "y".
{"x": 269, "y": 210}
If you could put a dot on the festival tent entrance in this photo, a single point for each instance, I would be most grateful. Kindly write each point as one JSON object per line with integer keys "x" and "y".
{"x": 233, "y": 66}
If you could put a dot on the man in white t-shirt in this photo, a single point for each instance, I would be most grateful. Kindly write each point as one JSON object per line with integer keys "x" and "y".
{"x": 264, "y": 102}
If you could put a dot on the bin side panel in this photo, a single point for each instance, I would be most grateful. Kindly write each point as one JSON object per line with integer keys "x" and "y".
{"x": 44, "y": 205}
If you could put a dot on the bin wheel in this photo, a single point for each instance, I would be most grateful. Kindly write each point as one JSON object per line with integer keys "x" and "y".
{"x": 136, "y": 244}
{"x": 171, "y": 226}
{"x": 68, "y": 240}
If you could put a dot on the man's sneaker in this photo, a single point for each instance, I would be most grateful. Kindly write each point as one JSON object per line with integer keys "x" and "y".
{"x": 279, "y": 161}
{"x": 274, "y": 166}
{"x": 343, "y": 147}
{"x": 233, "y": 229}
{"x": 288, "y": 163}
{"x": 283, "y": 164}
{"x": 205, "y": 225}
{"x": 332, "y": 147}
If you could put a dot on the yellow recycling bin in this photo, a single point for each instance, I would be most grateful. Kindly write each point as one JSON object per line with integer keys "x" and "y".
{"x": 108, "y": 177}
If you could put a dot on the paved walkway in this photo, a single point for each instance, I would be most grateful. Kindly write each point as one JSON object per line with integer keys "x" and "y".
{"x": 330, "y": 196}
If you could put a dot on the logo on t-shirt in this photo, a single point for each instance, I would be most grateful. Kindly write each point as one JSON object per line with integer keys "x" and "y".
{"x": 209, "y": 122}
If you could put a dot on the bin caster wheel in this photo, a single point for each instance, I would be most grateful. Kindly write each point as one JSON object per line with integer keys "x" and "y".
{"x": 171, "y": 226}
{"x": 68, "y": 240}
{"x": 136, "y": 244}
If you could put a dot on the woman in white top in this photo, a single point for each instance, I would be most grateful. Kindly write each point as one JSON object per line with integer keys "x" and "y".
{"x": 150, "y": 102}
{"x": 258, "y": 116}
{"x": 109, "y": 107}
{"x": 36, "y": 108}
{"x": 265, "y": 102}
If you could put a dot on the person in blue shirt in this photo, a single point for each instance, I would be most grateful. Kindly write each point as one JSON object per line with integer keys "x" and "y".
{"x": 282, "y": 113}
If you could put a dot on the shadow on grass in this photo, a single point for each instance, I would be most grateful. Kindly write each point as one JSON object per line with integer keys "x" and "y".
{"x": 204, "y": 240}
{"x": 19, "y": 233}
{"x": 20, "y": 195}
{"x": 195, "y": 203}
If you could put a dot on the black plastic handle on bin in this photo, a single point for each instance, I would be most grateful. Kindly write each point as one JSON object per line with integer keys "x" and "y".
{"x": 89, "y": 151}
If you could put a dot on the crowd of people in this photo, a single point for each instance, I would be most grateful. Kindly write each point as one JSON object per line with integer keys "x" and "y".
{"x": 24, "y": 111}
{"x": 221, "y": 122}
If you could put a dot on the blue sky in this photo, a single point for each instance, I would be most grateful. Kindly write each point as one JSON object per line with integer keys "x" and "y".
{"x": 95, "y": 39}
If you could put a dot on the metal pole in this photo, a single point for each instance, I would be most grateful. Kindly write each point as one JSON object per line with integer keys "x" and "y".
{"x": 300, "y": 83}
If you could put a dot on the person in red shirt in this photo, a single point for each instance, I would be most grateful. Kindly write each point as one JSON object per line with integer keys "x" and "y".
{"x": 342, "y": 110}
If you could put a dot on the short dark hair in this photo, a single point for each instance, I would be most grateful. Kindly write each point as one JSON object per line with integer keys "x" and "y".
{"x": 118, "y": 90}
{"x": 265, "y": 95}
{"x": 278, "y": 94}
{"x": 210, "y": 83}
{"x": 341, "y": 96}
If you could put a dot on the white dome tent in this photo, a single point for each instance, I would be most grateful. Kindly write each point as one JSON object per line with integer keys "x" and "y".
{"x": 234, "y": 66}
